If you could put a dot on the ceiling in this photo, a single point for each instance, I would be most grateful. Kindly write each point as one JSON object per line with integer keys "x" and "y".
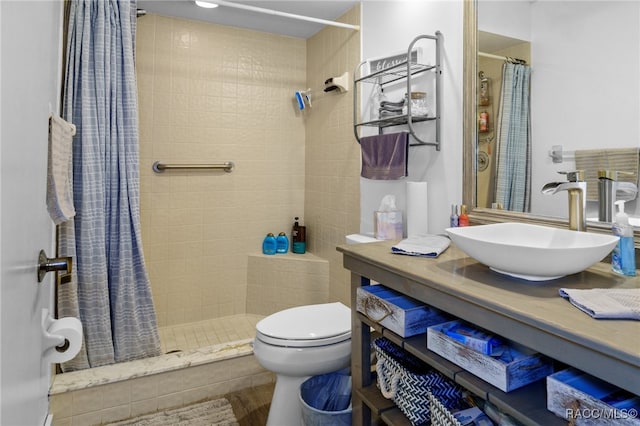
{"x": 328, "y": 10}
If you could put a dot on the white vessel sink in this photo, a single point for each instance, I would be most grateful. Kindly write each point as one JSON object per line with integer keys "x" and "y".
{"x": 532, "y": 252}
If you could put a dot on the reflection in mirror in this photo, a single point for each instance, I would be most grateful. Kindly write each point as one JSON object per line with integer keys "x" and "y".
{"x": 504, "y": 142}
{"x": 584, "y": 97}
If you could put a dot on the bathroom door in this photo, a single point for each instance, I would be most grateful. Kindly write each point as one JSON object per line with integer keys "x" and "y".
{"x": 29, "y": 84}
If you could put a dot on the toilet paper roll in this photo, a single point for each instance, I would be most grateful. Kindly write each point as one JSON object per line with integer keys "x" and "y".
{"x": 416, "y": 208}
{"x": 71, "y": 329}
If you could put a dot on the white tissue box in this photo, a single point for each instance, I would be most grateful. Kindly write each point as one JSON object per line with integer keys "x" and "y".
{"x": 387, "y": 225}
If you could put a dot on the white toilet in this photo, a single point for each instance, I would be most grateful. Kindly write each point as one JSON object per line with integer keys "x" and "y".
{"x": 298, "y": 343}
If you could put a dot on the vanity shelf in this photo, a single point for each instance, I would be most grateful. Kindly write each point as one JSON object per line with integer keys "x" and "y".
{"x": 534, "y": 316}
{"x": 527, "y": 404}
{"x": 404, "y": 69}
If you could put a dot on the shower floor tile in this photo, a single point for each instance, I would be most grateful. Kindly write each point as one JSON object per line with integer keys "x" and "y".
{"x": 184, "y": 345}
{"x": 194, "y": 335}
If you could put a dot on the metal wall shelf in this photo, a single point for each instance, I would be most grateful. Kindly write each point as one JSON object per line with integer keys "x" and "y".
{"x": 402, "y": 70}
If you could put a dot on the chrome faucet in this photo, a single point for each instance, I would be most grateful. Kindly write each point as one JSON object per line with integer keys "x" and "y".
{"x": 576, "y": 188}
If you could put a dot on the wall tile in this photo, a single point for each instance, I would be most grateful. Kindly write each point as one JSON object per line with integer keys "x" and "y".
{"x": 215, "y": 93}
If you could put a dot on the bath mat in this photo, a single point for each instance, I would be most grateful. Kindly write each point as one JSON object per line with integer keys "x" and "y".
{"x": 216, "y": 412}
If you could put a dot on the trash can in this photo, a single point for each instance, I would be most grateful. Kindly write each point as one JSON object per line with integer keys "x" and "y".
{"x": 326, "y": 400}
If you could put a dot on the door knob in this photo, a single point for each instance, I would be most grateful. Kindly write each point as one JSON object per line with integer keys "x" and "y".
{"x": 49, "y": 264}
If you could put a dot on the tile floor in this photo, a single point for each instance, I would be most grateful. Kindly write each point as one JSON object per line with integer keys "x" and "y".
{"x": 195, "y": 335}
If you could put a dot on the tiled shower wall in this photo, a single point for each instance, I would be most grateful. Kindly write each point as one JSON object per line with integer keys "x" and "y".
{"x": 207, "y": 94}
{"x": 211, "y": 93}
{"x": 332, "y": 191}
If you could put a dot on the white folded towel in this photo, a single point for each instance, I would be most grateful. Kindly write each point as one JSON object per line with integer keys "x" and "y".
{"x": 426, "y": 245}
{"x": 621, "y": 303}
{"x": 59, "y": 170}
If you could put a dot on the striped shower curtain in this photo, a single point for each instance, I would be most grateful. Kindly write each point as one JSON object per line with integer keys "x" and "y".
{"x": 513, "y": 161}
{"x": 109, "y": 288}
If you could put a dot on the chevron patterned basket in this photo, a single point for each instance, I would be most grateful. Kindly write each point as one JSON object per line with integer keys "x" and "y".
{"x": 440, "y": 415}
{"x": 408, "y": 381}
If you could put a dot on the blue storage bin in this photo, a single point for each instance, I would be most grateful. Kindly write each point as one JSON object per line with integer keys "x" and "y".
{"x": 399, "y": 313}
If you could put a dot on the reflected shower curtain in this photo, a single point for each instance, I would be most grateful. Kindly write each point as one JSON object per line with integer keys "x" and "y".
{"x": 109, "y": 289}
{"x": 513, "y": 162}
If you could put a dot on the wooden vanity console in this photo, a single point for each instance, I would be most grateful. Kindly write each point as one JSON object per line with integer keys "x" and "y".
{"x": 532, "y": 314}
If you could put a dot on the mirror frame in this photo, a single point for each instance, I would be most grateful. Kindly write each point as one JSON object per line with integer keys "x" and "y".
{"x": 480, "y": 215}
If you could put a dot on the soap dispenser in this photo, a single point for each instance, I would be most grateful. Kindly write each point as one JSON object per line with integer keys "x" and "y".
{"x": 623, "y": 260}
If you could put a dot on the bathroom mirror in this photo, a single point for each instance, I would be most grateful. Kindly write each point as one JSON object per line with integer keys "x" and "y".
{"x": 471, "y": 135}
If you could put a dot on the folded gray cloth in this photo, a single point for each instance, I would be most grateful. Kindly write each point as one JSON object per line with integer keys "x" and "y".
{"x": 385, "y": 157}
{"x": 391, "y": 109}
{"x": 425, "y": 245}
{"x": 399, "y": 104}
{"x": 623, "y": 303}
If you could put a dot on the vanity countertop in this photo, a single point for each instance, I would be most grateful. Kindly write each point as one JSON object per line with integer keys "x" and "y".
{"x": 531, "y": 313}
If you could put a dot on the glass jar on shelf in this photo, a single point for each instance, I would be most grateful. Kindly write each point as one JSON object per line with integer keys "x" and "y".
{"x": 418, "y": 103}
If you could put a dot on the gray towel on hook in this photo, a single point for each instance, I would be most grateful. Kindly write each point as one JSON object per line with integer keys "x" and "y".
{"x": 385, "y": 157}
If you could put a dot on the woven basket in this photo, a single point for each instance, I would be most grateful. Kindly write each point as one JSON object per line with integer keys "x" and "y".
{"x": 440, "y": 415}
{"x": 408, "y": 381}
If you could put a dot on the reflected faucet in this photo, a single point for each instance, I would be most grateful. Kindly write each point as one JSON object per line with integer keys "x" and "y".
{"x": 576, "y": 188}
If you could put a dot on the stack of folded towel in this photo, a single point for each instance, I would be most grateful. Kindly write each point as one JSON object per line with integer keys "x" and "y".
{"x": 390, "y": 109}
{"x": 425, "y": 245}
{"x": 609, "y": 303}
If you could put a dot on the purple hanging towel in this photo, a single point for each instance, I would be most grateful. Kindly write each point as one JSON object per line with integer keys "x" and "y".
{"x": 385, "y": 157}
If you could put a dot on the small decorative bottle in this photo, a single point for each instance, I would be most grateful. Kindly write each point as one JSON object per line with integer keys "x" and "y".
{"x": 282, "y": 243}
{"x": 463, "y": 219}
{"x": 269, "y": 245}
{"x": 453, "y": 219}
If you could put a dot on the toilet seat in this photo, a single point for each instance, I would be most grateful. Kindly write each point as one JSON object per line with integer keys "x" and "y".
{"x": 306, "y": 326}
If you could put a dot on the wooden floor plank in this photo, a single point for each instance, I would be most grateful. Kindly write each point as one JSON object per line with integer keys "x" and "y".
{"x": 251, "y": 406}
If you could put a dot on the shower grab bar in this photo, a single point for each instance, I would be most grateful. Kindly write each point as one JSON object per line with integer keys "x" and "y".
{"x": 159, "y": 167}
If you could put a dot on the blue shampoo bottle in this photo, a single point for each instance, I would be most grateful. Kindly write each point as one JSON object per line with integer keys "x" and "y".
{"x": 269, "y": 245}
{"x": 282, "y": 243}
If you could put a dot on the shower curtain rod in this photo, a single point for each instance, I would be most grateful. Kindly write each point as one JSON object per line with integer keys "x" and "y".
{"x": 284, "y": 14}
{"x": 502, "y": 58}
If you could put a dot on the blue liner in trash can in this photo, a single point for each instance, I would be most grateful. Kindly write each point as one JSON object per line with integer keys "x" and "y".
{"x": 326, "y": 400}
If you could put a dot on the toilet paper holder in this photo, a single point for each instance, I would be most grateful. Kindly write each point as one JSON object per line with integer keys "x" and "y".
{"x": 51, "y": 264}
{"x": 61, "y": 338}
{"x": 56, "y": 341}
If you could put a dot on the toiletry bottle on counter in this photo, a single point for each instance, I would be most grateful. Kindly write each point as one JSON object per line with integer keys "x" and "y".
{"x": 282, "y": 243}
{"x": 453, "y": 219}
{"x": 463, "y": 219}
{"x": 269, "y": 244}
{"x": 298, "y": 238}
{"x": 623, "y": 260}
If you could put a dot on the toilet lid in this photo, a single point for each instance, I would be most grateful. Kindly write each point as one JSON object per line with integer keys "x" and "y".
{"x": 309, "y": 325}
